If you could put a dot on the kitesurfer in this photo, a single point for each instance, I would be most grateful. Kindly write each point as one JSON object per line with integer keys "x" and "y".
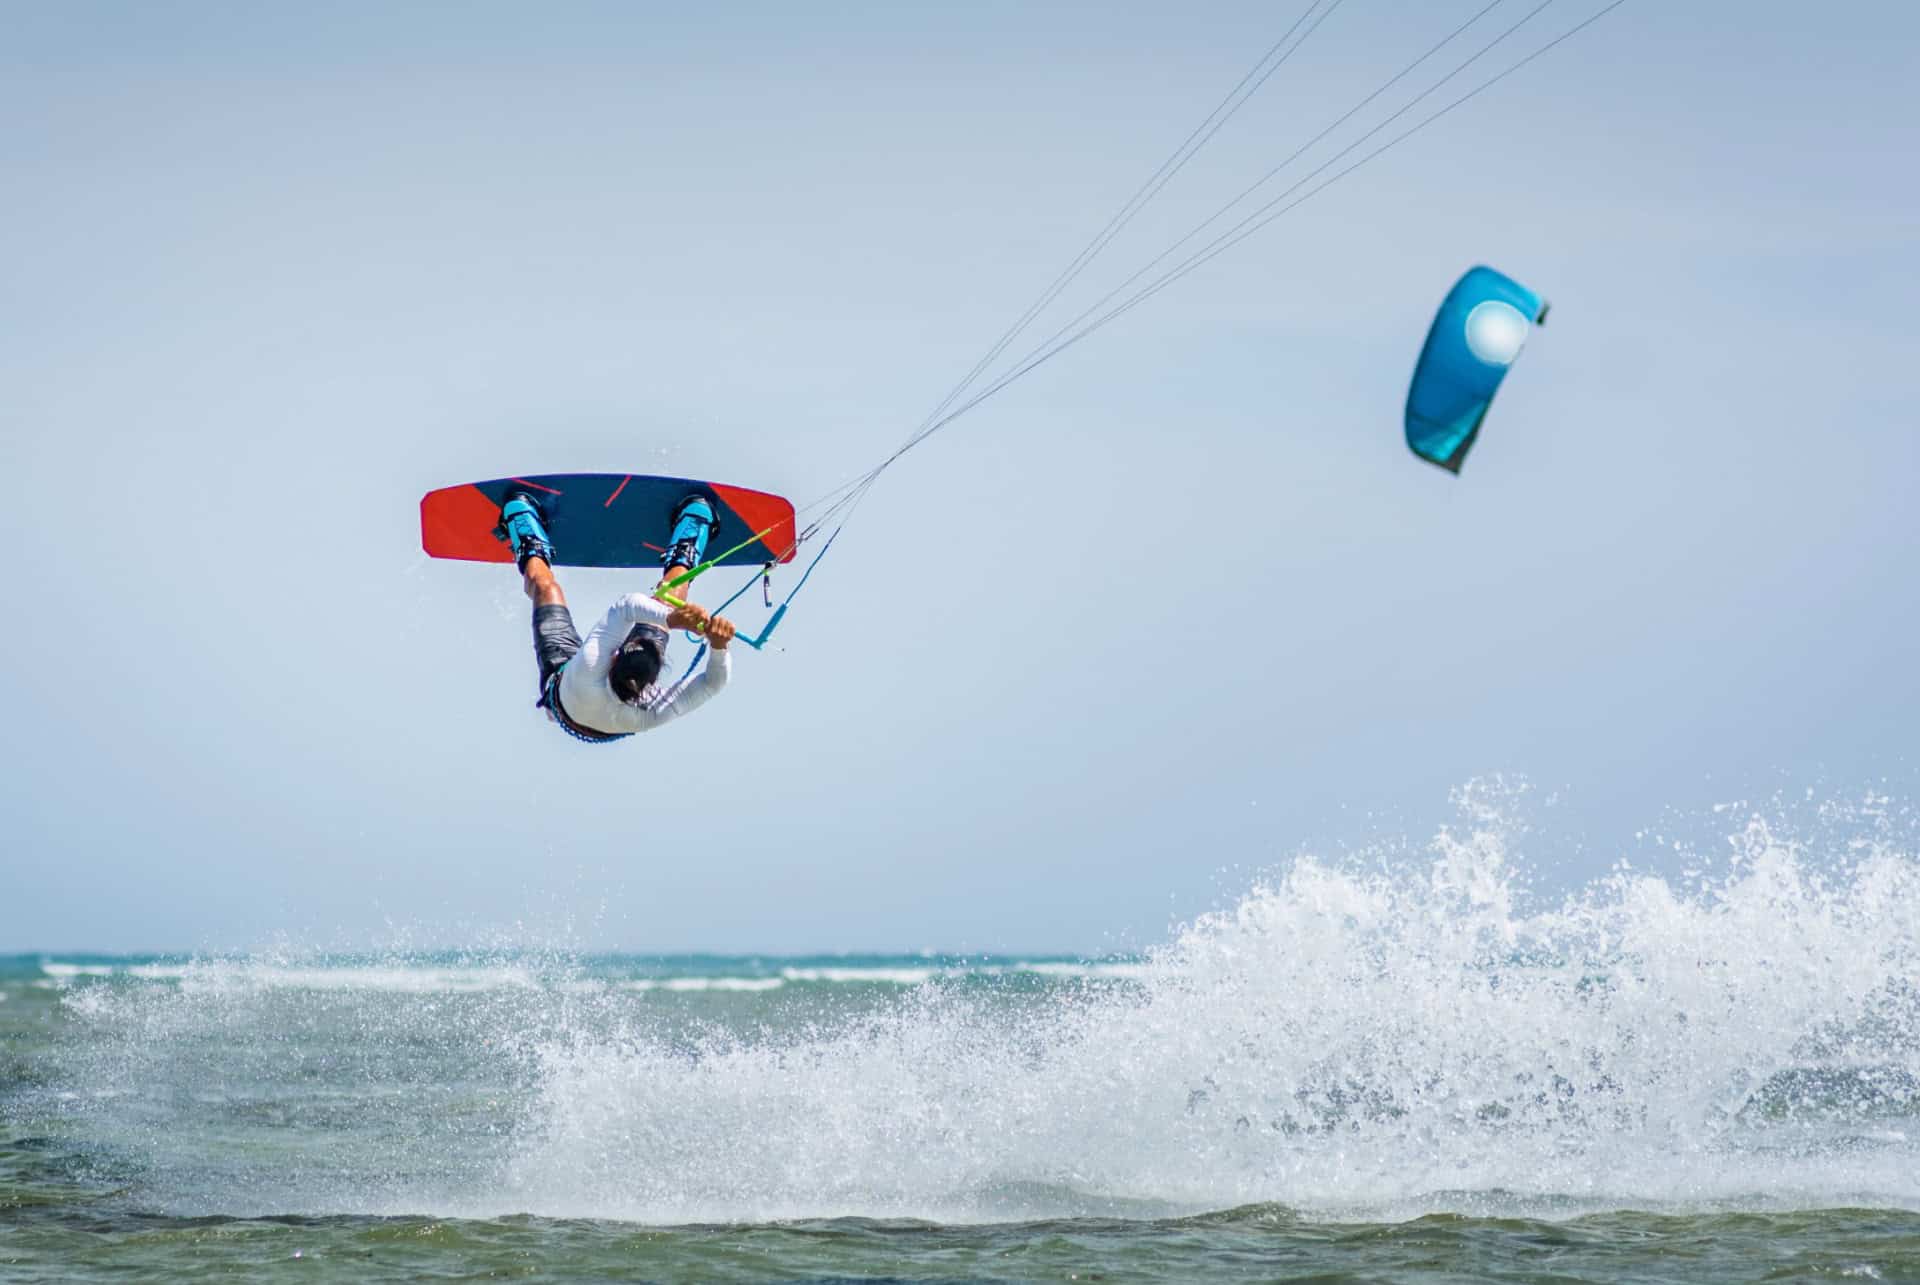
{"x": 608, "y": 687}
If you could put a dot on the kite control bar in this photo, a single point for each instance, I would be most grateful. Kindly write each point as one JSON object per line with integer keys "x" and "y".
{"x": 759, "y": 641}
{"x": 665, "y": 591}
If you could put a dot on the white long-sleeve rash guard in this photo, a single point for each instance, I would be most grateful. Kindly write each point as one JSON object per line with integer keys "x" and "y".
{"x": 588, "y": 697}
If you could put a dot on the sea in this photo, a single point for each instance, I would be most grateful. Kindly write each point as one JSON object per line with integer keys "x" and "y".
{"x": 1419, "y": 1070}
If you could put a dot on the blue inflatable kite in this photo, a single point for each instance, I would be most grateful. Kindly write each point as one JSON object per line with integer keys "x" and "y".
{"x": 1478, "y": 333}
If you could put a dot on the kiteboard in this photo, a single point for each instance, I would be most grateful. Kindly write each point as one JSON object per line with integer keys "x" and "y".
{"x": 606, "y": 519}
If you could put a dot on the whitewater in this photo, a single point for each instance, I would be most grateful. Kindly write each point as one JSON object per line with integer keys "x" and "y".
{"x": 1371, "y": 1043}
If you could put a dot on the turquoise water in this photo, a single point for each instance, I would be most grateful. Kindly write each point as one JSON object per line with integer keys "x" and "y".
{"x": 1414, "y": 1074}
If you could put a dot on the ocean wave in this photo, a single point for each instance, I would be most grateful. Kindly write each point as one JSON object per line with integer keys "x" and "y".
{"x": 59, "y": 971}
{"x": 572, "y": 974}
{"x": 1353, "y": 1040}
{"x": 1127, "y": 970}
{"x": 253, "y": 974}
{"x": 862, "y": 976}
{"x": 703, "y": 984}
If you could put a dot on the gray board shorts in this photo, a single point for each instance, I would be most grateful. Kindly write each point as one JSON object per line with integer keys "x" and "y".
{"x": 555, "y": 640}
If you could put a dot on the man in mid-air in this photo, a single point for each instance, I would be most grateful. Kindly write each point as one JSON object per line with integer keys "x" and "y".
{"x": 608, "y": 687}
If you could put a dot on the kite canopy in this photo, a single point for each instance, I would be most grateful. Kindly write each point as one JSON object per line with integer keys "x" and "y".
{"x": 1481, "y": 326}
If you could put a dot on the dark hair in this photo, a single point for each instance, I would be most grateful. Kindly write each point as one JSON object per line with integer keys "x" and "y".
{"x": 638, "y": 664}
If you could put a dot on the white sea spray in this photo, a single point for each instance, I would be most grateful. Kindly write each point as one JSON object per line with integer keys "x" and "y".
{"x": 1341, "y": 1039}
{"x": 1383, "y": 1035}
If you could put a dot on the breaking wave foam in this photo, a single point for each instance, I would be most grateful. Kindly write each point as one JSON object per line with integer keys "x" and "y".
{"x": 1414, "y": 1036}
{"x": 1407, "y": 1039}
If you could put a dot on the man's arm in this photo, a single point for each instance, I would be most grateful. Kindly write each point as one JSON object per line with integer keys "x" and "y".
{"x": 596, "y": 655}
{"x": 692, "y": 692}
{"x": 689, "y": 693}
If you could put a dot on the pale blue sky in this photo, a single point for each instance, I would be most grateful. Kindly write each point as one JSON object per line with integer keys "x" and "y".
{"x": 1180, "y": 601}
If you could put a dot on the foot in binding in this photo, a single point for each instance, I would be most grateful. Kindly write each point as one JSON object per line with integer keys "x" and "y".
{"x": 524, "y": 529}
{"x": 693, "y": 525}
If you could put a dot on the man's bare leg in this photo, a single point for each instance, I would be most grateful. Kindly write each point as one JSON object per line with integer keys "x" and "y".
{"x": 692, "y": 616}
{"x": 540, "y": 585}
{"x": 672, "y": 571}
{"x": 686, "y": 546}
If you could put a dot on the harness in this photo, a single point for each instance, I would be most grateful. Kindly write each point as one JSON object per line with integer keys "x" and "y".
{"x": 550, "y": 701}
